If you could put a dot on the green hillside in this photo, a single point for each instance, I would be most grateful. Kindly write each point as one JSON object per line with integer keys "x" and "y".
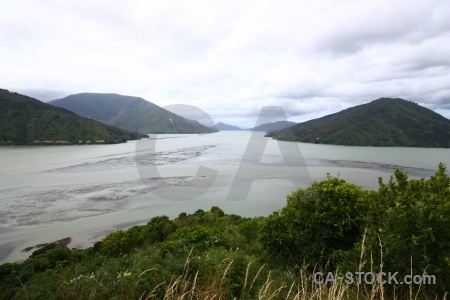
{"x": 382, "y": 122}
{"x": 129, "y": 113}
{"x": 24, "y": 121}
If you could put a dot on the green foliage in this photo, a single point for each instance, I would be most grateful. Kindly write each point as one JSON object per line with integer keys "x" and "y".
{"x": 25, "y": 120}
{"x": 123, "y": 242}
{"x": 199, "y": 237}
{"x": 14, "y": 275}
{"x": 383, "y": 122}
{"x": 158, "y": 229}
{"x": 410, "y": 231}
{"x": 217, "y": 212}
{"x": 402, "y": 227}
{"x": 315, "y": 223}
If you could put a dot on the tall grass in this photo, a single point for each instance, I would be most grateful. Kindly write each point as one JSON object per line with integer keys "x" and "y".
{"x": 222, "y": 276}
{"x": 258, "y": 283}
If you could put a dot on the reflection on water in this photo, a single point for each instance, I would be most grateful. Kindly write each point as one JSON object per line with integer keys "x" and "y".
{"x": 52, "y": 192}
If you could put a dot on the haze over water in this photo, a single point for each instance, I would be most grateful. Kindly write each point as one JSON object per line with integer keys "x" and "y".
{"x": 85, "y": 192}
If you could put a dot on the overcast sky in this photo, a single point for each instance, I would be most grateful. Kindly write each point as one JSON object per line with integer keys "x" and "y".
{"x": 229, "y": 58}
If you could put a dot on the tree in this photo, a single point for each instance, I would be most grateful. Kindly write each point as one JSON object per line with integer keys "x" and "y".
{"x": 409, "y": 227}
{"x": 307, "y": 232}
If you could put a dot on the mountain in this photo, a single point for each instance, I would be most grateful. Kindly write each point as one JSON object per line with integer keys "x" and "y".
{"x": 129, "y": 113}
{"x": 225, "y": 127}
{"x": 269, "y": 127}
{"x": 24, "y": 120}
{"x": 382, "y": 122}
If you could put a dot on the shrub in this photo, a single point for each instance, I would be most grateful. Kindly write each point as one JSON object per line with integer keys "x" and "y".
{"x": 310, "y": 231}
{"x": 409, "y": 227}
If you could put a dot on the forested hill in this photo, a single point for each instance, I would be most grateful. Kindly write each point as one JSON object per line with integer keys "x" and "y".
{"x": 24, "y": 121}
{"x": 129, "y": 113}
{"x": 382, "y": 122}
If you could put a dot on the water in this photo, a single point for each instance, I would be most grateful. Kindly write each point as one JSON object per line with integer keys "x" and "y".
{"x": 86, "y": 191}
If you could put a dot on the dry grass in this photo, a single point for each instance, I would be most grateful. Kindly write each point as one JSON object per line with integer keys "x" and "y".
{"x": 195, "y": 287}
{"x": 258, "y": 282}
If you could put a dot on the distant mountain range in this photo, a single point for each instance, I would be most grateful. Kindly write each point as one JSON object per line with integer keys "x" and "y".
{"x": 129, "y": 113}
{"x": 269, "y": 127}
{"x": 24, "y": 120}
{"x": 226, "y": 127}
{"x": 382, "y": 122}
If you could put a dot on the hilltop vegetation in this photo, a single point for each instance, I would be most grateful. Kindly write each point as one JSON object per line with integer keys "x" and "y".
{"x": 24, "y": 121}
{"x": 129, "y": 113}
{"x": 382, "y": 122}
{"x": 331, "y": 226}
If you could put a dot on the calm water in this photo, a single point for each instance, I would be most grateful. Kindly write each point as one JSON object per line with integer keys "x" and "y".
{"x": 85, "y": 192}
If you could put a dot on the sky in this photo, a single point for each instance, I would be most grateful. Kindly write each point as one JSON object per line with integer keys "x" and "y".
{"x": 231, "y": 58}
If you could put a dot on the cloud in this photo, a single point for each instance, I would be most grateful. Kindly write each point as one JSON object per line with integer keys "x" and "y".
{"x": 356, "y": 25}
{"x": 42, "y": 94}
{"x": 230, "y": 58}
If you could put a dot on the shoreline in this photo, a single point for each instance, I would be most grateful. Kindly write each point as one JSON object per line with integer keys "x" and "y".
{"x": 87, "y": 192}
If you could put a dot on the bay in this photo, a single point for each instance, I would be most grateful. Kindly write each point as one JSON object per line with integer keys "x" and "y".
{"x": 86, "y": 191}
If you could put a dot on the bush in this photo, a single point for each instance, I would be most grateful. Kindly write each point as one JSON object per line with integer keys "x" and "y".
{"x": 198, "y": 237}
{"x": 402, "y": 227}
{"x": 123, "y": 242}
{"x": 409, "y": 227}
{"x": 309, "y": 232}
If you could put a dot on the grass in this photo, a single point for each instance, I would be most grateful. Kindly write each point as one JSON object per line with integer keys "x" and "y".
{"x": 259, "y": 283}
{"x": 212, "y": 255}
